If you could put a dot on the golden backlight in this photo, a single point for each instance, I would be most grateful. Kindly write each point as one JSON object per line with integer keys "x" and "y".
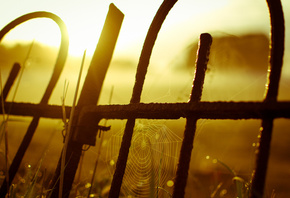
{"x": 84, "y": 20}
{"x": 237, "y": 71}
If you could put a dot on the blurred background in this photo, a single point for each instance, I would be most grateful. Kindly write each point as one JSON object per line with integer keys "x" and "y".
{"x": 237, "y": 71}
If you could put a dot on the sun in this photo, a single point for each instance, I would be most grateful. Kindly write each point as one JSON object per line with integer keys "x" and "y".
{"x": 84, "y": 28}
{"x": 38, "y": 30}
{"x": 82, "y": 34}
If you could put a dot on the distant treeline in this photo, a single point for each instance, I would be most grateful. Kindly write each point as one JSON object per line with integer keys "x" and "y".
{"x": 246, "y": 52}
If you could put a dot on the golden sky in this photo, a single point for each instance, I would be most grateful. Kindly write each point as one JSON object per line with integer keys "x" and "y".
{"x": 185, "y": 22}
{"x": 187, "y": 19}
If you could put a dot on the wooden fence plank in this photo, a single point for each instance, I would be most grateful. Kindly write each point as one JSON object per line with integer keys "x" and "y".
{"x": 89, "y": 96}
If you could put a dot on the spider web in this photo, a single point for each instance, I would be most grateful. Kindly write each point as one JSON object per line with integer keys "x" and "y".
{"x": 152, "y": 159}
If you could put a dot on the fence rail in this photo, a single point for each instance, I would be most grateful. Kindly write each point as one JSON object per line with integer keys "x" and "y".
{"x": 266, "y": 110}
{"x": 203, "y": 110}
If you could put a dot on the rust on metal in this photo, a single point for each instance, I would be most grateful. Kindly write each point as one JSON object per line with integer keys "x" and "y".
{"x": 272, "y": 87}
{"x": 59, "y": 64}
{"x": 203, "y": 110}
{"x": 136, "y": 95}
{"x": 190, "y": 127}
{"x": 88, "y": 114}
{"x": 10, "y": 81}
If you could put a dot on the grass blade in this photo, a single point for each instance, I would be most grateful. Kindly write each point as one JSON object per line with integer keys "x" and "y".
{"x": 69, "y": 129}
{"x": 29, "y": 192}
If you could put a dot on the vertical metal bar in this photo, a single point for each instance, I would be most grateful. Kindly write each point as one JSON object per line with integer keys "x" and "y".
{"x": 89, "y": 96}
{"x": 140, "y": 78}
{"x": 189, "y": 133}
{"x": 12, "y": 76}
{"x": 275, "y": 67}
{"x": 62, "y": 54}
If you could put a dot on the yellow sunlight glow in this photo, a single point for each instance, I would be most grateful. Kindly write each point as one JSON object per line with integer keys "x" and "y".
{"x": 85, "y": 25}
{"x": 47, "y": 32}
{"x": 185, "y": 22}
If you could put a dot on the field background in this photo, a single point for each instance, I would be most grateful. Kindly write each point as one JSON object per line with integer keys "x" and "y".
{"x": 237, "y": 71}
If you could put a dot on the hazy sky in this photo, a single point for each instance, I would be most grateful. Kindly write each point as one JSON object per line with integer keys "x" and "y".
{"x": 185, "y": 22}
{"x": 187, "y": 19}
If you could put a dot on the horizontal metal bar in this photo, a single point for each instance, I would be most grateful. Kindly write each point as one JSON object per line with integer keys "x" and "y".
{"x": 32, "y": 110}
{"x": 203, "y": 110}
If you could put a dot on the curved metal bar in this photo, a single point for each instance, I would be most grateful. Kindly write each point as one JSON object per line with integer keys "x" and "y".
{"x": 63, "y": 50}
{"x": 277, "y": 49}
{"x": 140, "y": 78}
{"x": 148, "y": 47}
{"x": 275, "y": 67}
{"x": 60, "y": 61}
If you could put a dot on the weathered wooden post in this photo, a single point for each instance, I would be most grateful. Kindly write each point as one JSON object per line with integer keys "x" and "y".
{"x": 85, "y": 128}
{"x": 88, "y": 114}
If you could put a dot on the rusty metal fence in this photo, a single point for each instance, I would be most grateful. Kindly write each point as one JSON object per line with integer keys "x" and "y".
{"x": 88, "y": 114}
